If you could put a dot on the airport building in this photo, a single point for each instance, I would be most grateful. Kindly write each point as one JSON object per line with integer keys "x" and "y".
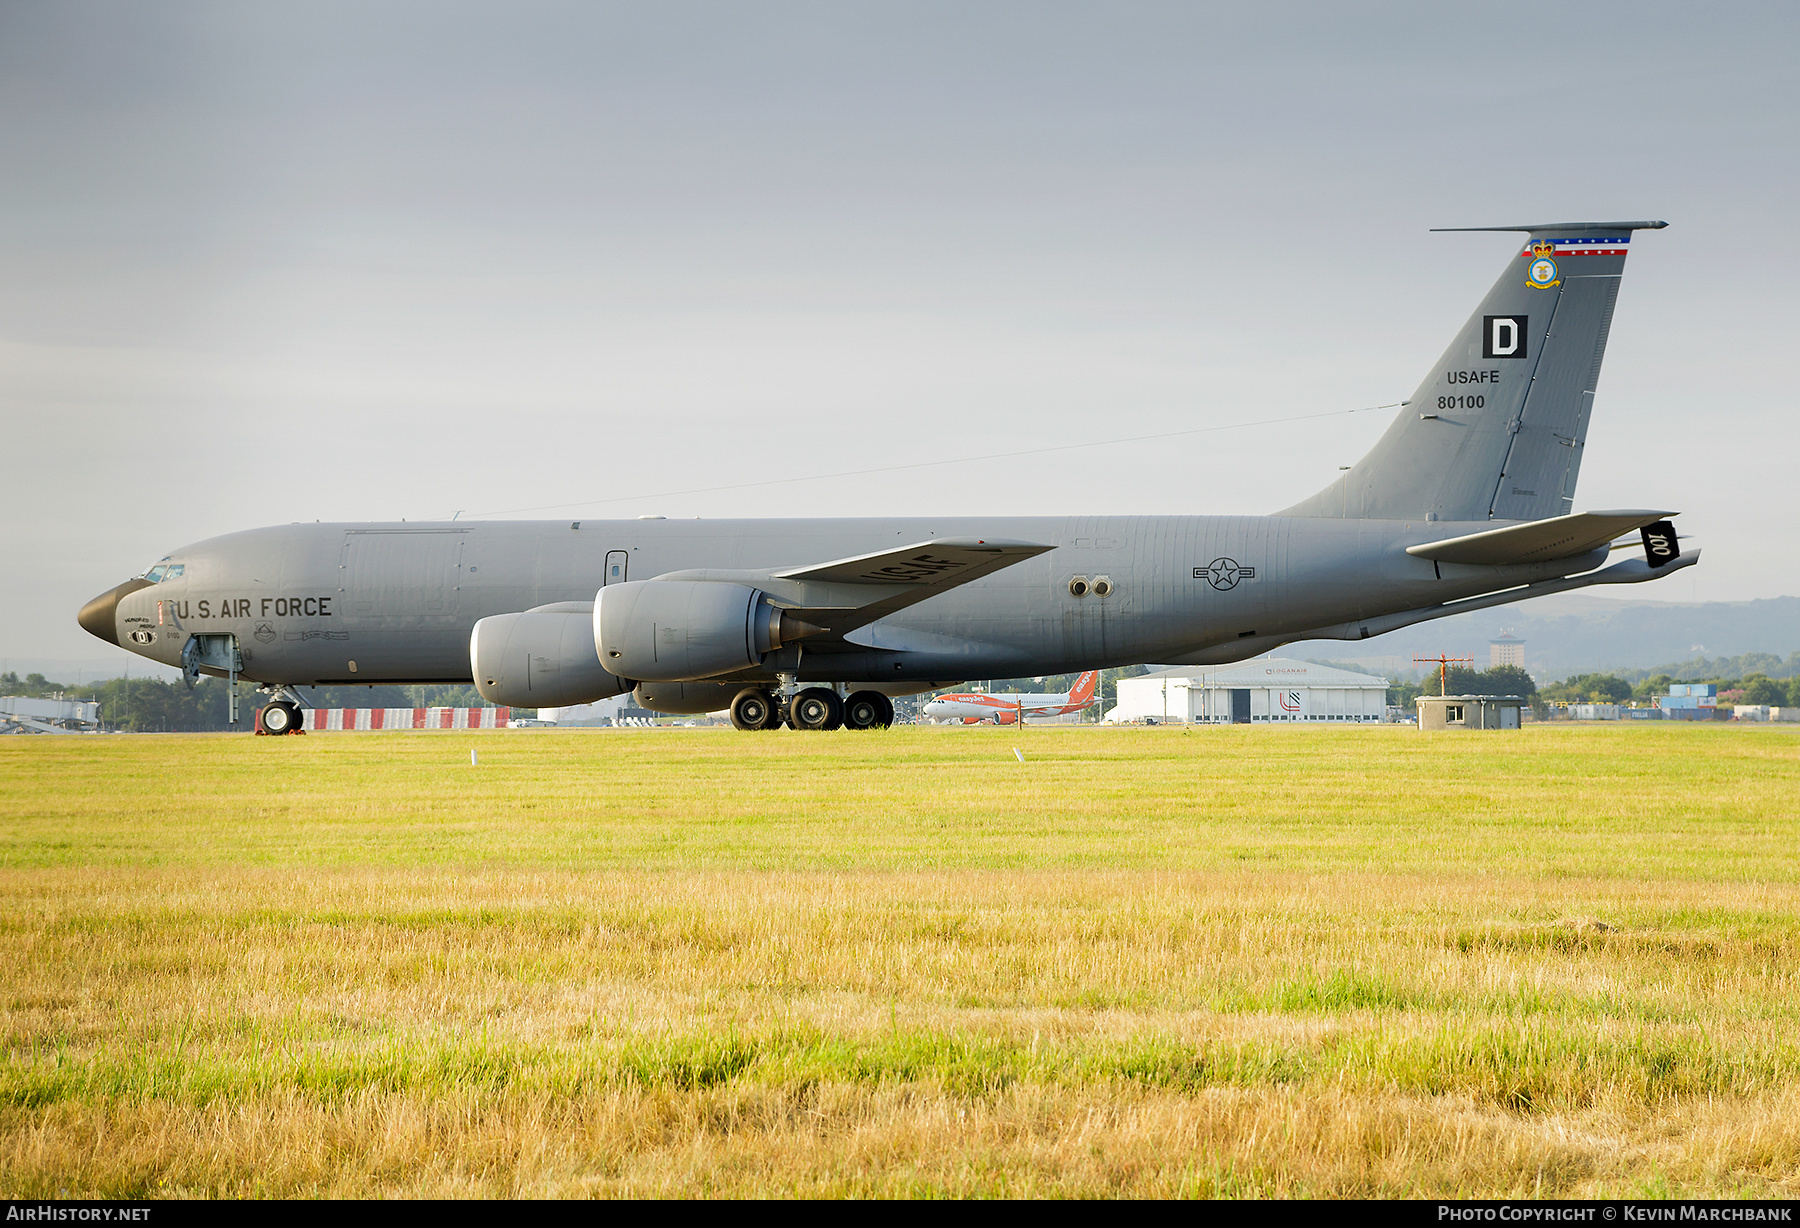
{"x": 19, "y": 714}
{"x": 1764, "y": 712}
{"x": 1251, "y": 692}
{"x": 1690, "y": 701}
{"x": 1507, "y": 650}
{"x": 1470, "y": 711}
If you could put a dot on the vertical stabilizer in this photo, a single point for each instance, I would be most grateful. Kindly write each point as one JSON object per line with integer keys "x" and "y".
{"x": 1496, "y": 430}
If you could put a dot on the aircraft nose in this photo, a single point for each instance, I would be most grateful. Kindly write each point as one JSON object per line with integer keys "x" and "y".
{"x": 100, "y": 617}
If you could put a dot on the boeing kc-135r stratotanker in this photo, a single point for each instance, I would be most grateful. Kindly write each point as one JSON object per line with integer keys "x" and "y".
{"x": 1465, "y": 502}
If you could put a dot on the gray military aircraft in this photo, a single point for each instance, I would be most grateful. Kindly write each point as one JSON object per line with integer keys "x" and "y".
{"x": 1465, "y": 502}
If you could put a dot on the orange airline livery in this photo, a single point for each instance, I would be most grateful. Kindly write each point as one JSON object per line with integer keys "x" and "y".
{"x": 974, "y": 707}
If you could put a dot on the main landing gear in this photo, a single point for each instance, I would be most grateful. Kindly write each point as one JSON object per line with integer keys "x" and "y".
{"x": 868, "y": 710}
{"x": 754, "y": 709}
{"x": 813, "y": 707}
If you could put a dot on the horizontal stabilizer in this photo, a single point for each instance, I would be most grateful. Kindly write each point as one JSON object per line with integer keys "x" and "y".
{"x": 1630, "y": 571}
{"x": 943, "y": 563}
{"x": 1537, "y": 541}
{"x": 1537, "y": 227}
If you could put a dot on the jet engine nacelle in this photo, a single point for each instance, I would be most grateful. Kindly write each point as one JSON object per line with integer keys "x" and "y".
{"x": 680, "y": 630}
{"x": 542, "y": 658}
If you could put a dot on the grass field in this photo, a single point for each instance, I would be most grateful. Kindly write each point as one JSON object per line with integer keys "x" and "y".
{"x": 1562, "y": 962}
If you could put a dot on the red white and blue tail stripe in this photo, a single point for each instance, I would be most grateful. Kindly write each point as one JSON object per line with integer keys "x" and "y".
{"x": 1583, "y": 247}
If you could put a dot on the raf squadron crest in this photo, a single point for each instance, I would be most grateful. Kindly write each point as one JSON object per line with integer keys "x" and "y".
{"x": 1543, "y": 273}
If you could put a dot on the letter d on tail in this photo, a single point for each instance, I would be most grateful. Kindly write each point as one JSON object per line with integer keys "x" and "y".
{"x": 1503, "y": 336}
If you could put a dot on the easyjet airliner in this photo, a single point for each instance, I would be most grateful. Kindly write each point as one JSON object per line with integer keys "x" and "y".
{"x": 973, "y": 707}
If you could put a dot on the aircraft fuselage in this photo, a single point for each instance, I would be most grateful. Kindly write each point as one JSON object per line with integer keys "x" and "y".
{"x": 396, "y": 602}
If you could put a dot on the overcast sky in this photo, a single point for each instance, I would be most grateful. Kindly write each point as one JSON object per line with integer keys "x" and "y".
{"x": 263, "y": 263}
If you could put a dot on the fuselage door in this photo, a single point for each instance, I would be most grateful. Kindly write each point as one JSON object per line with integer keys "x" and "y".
{"x": 402, "y": 580}
{"x": 617, "y": 561}
{"x": 401, "y": 605}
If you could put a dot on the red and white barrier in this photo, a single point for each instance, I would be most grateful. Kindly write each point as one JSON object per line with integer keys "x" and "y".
{"x": 345, "y": 720}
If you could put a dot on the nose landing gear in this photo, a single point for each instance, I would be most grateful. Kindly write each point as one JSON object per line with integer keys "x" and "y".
{"x": 281, "y": 715}
{"x": 278, "y": 718}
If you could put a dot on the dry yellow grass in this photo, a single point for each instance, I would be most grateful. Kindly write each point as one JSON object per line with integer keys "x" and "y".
{"x": 1318, "y": 962}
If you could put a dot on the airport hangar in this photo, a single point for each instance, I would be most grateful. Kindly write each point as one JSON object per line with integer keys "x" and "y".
{"x": 1251, "y": 692}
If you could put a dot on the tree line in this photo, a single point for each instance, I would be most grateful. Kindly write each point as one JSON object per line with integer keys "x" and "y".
{"x": 1734, "y": 670}
{"x": 1754, "y": 688}
{"x": 1461, "y": 680}
{"x": 149, "y": 705}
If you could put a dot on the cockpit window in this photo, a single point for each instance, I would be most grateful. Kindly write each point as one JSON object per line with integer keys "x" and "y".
{"x": 165, "y": 571}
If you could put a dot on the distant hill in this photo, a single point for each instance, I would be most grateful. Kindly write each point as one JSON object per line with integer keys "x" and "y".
{"x": 88, "y": 669}
{"x": 1574, "y": 633}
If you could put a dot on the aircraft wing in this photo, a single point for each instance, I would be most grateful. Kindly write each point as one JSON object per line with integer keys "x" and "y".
{"x": 842, "y": 595}
{"x": 1538, "y": 541}
{"x": 907, "y": 575}
{"x": 942, "y": 563}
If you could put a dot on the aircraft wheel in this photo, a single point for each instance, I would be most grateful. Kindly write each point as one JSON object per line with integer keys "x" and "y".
{"x": 754, "y": 709}
{"x": 280, "y": 718}
{"x": 816, "y": 707}
{"x": 868, "y": 710}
